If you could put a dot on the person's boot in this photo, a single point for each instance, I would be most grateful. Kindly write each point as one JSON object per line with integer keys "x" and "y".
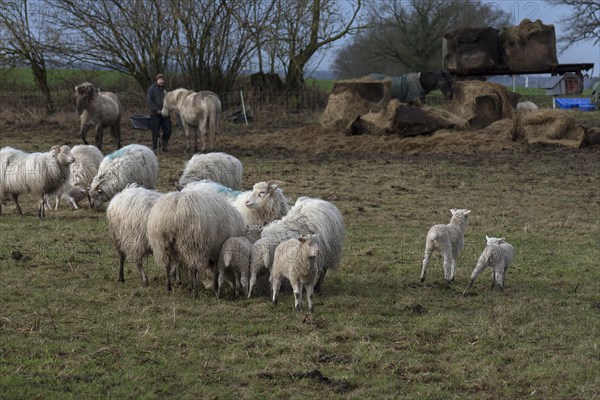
{"x": 154, "y": 145}
{"x": 165, "y": 145}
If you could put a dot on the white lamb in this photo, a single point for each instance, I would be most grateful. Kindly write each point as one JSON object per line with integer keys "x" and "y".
{"x": 127, "y": 217}
{"x": 313, "y": 216}
{"x": 37, "y": 173}
{"x": 296, "y": 260}
{"x": 83, "y": 170}
{"x": 131, "y": 164}
{"x": 259, "y": 206}
{"x": 448, "y": 240}
{"x": 217, "y": 167}
{"x": 189, "y": 229}
{"x": 497, "y": 255}
{"x": 261, "y": 261}
{"x": 235, "y": 258}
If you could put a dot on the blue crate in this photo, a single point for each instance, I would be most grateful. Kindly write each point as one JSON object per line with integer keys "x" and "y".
{"x": 582, "y": 103}
{"x": 140, "y": 121}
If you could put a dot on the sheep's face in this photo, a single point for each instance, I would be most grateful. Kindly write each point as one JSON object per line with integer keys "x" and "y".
{"x": 97, "y": 194}
{"x": 311, "y": 243}
{"x": 63, "y": 154}
{"x": 261, "y": 194}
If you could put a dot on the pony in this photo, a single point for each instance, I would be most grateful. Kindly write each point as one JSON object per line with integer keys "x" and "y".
{"x": 415, "y": 85}
{"x": 200, "y": 113}
{"x": 98, "y": 110}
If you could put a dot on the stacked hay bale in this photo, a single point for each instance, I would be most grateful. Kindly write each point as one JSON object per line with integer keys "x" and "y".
{"x": 529, "y": 46}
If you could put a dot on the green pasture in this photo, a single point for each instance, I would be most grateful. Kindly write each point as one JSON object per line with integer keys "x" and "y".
{"x": 69, "y": 330}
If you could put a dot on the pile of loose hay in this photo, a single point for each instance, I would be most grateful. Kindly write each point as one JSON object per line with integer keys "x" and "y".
{"x": 550, "y": 127}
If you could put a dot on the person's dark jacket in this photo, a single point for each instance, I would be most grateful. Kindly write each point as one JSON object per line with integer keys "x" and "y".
{"x": 155, "y": 97}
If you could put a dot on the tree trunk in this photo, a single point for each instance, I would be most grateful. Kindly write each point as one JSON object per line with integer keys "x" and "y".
{"x": 40, "y": 75}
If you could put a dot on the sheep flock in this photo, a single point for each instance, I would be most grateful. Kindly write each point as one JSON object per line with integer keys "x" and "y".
{"x": 208, "y": 232}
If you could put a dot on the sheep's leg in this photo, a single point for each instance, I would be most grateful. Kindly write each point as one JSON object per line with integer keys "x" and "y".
{"x": 478, "y": 269}
{"x": 276, "y": 283}
{"x": 193, "y": 269}
{"x": 447, "y": 267}
{"x": 168, "y": 273}
{"x": 15, "y": 198}
{"x": 238, "y": 283}
{"x": 42, "y": 209}
{"x": 309, "y": 297}
{"x": 220, "y": 278}
{"x": 252, "y": 283}
{"x": 452, "y": 269}
{"x": 425, "y": 263}
{"x": 297, "y": 288}
{"x": 140, "y": 268}
{"x": 121, "y": 267}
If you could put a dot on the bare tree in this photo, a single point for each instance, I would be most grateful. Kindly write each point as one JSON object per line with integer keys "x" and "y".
{"x": 24, "y": 42}
{"x": 583, "y": 24}
{"x": 130, "y": 36}
{"x": 307, "y": 26}
{"x": 407, "y": 35}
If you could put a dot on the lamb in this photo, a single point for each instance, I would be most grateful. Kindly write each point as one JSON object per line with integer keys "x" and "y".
{"x": 36, "y": 173}
{"x": 127, "y": 217}
{"x": 189, "y": 228}
{"x": 448, "y": 240}
{"x": 235, "y": 256}
{"x": 312, "y": 216}
{"x": 259, "y": 206}
{"x": 261, "y": 260}
{"x": 131, "y": 164}
{"x": 217, "y": 167}
{"x": 498, "y": 255}
{"x": 83, "y": 170}
{"x": 296, "y": 259}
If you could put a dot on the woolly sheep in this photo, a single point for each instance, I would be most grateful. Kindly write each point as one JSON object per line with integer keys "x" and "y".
{"x": 448, "y": 240}
{"x": 36, "y": 173}
{"x": 313, "y": 216}
{"x": 259, "y": 206}
{"x": 189, "y": 228}
{"x": 127, "y": 216}
{"x": 217, "y": 167}
{"x": 261, "y": 260}
{"x": 131, "y": 164}
{"x": 235, "y": 257}
{"x": 497, "y": 255}
{"x": 82, "y": 172}
{"x": 296, "y": 259}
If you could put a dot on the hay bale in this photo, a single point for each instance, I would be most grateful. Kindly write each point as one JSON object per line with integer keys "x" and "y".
{"x": 405, "y": 120}
{"x": 550, "y": 126}
{"x": 530, "y": 46}
{"x": 482, "y": 103}
{"x": 592, "y": 136}
{"x": 352, "y": 98}
{"x": 471, "y": 50}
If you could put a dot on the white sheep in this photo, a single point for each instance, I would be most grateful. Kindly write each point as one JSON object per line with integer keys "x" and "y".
{"x": 498, "y": 254}
{"x": 313, "y": 216}
{"x": 259, "y": 206}
{"x": 83, "y": 170}
{"x": 189, "y": 229}
{"x": 131, "y": 164}
{"x": 448, "y": 240}
{"x": 527, "y": 106}
{"x": 235, "y": 257}
{"x": 296, "y": 260}
{"x": 261, "y": 261}
{"x": 37, "y": 173}
{"x": 217, "y": 167}
{"x": 127, "y": 217}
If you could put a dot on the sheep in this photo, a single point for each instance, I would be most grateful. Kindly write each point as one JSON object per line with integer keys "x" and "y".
{"x": 313, "y": 216}
{"x": 527, "y": 106}
{"x": 36, "y": 173}
{"x": 189, "y": 228}
{"x": 261, "y": 260}
{"x": 127, "y": 216}
{"x": 448, "y": 240}
{"x": 259, "y": 206}
{"x": 131, "y": 164}
{"x": 296, "y": 259}
{"x": 498, "y": 255}
{"x": 217, "y": 167}
{"x": 98, "y": 110}
{"x": 83, "y": 170}
{"x": 235, "y": 256}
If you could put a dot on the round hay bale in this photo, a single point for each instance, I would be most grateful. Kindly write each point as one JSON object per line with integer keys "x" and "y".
{"x": 550, "y": 127}
{"x": 352, "y": 98}
{"x": 529, "y": 46}
{"x": 482, "y": 103}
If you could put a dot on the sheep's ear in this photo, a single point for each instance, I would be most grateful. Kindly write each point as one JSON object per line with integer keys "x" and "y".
{"x": 272, "y": 185}
{"x": 467, "y": 212}
{"x": 453, "y": 210}
{"x": 487, "y": 238}
{"x": 501, "y": 240}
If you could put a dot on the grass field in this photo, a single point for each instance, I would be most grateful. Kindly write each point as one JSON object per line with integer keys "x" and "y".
{"x": 69, "y": 330}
